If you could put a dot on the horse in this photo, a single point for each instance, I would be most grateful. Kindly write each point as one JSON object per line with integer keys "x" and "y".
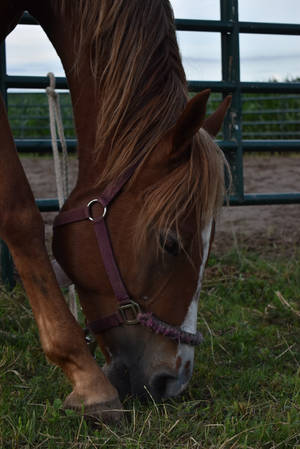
{"x": 135, "y": 233}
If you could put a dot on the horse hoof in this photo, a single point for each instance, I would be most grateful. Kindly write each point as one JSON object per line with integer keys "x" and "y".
{"x": 109, "y": 412}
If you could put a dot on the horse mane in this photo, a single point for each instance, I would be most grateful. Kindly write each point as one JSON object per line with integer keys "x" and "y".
{"x": 142, "y": 89}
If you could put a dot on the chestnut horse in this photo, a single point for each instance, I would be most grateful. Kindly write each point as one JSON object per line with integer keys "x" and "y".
{"x": 148, "y": 162}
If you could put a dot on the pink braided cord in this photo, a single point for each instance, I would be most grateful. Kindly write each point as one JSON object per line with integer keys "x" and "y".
{"x": 174, "y": 333}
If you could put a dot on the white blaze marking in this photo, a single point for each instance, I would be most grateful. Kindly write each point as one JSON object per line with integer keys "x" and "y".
{"x": 190, "y": 322}
{"x": 186, "y": 352}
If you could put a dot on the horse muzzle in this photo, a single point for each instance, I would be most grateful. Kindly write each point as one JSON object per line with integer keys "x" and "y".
{"x": 149, "y": 366}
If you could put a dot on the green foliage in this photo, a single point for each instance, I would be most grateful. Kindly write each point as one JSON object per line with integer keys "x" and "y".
{"x": 245, "y": 391}
{"x": 29, "y": 115}
{"x": 270, "y": 116}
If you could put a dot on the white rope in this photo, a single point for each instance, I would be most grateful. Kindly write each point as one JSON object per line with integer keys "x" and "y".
{"x": 61, "y": 168}
{"x": 60, "y": 164}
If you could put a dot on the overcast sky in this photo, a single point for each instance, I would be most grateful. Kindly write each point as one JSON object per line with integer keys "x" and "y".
{"x": 263, "y": 57}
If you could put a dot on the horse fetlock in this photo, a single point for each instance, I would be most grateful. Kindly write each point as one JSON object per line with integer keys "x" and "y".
{"x": 108, "y": 410}
{"x": 66, "y": 355}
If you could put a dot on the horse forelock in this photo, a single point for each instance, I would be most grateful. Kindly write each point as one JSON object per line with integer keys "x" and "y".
{"x": 188, "y": 197}
{"x": 142, "y": 89}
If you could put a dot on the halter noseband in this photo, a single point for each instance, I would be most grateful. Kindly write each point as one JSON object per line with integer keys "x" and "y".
{"x": 129, "y": 312}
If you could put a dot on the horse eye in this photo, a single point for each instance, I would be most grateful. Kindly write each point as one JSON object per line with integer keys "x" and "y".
{"x": 170, "y": 244}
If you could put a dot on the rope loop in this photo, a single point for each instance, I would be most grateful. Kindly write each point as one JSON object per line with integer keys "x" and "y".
{"x": 52, "y": 80}
{"x": 60, "y": 163}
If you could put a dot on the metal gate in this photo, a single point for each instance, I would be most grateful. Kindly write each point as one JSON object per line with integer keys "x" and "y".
{"x": 233, "y": 143}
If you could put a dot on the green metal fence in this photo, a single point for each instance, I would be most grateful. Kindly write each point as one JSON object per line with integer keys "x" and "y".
{"x": 233, "y": 143}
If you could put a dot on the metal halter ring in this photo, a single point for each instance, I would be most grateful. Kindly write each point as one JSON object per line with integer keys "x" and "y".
{"x": 89, "y": 206}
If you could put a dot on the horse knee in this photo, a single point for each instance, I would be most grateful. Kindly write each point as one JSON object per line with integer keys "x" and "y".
{"x": 21, "y": 226}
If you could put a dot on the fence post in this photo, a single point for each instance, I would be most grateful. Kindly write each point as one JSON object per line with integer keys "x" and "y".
{"x": 231, "y": 74}
{"x": 6, "y": 263}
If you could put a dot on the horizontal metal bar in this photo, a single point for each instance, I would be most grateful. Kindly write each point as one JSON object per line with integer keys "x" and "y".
{"x": 247, "y": 87}
{"x": 283, "y": 135}
{"x": 203, "y": 25}
{"x": 43, "y": 129}
{"x": 269, "y": 28}
{"x": 259, "y": 199}
{"x": 33, "y": 82}
{"x": 262, "y": 145}
{"x": 41, "y": 82}
{"x": 244, "y": 27}
{"x": 270, "y": 87}
{"x": 44, "y": 145}
{"x": 251, "y": 146}
{"x": 216, "y": 86}
{"x": 271, "y": 111}
{"x": 282, "y": 123}
{"x": 216, "y": 26}
{"x": 262, "y": 199}
{"x": 33, "y": 106}
{"x": 70, "y": 117}
{"x": 41, "y": 145}
{"x": 29, "y": 129}
{"x": 49, "y": 205}
{"x": 269, "y": 97}
{"x": 21, "y": 118}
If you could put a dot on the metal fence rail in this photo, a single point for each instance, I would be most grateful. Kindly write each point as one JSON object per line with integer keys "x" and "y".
{"x": 233, "y": 143}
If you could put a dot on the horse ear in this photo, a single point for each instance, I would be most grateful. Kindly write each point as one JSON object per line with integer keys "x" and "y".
{"x": 190, "y": 121}
{"x": 214, "y": 122}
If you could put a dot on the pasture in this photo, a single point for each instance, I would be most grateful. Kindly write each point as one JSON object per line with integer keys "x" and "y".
{"x": 245, "y": 391}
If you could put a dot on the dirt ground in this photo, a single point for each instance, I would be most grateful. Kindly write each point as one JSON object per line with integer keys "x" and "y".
{"x": 265, "y": 228}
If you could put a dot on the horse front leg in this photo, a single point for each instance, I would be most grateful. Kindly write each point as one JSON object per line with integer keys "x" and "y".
{"x": 61, "y": 337}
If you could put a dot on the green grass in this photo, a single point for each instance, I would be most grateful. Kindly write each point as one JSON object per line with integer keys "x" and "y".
{"x": 245, "y": 391}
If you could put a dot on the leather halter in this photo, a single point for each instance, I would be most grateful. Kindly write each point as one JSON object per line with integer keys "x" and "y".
{"x": 129, "y": 312}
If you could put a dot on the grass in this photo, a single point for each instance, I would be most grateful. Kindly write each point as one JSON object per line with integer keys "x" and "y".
{"x": 245, "y": 391}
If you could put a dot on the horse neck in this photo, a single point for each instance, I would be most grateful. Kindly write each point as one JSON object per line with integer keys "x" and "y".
{"x": 85, "y": 99}
{"x": 81, "y": 85}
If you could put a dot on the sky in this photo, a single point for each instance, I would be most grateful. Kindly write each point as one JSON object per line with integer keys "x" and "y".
{"x": 263, "y": 57}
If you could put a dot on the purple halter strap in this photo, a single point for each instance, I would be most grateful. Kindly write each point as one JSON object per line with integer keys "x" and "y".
{"x": 129, "y": 311}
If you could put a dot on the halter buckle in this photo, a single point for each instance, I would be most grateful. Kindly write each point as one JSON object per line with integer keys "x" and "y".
{"x": 129, "y": 312}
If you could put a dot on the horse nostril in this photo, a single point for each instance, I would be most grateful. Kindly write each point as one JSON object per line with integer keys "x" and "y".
{"x": 159, "y": 385}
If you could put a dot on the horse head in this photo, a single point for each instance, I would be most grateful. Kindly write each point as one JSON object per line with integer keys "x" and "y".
{"x": 161, "y": 226}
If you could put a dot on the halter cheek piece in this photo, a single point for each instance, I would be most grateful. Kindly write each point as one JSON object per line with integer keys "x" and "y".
{"x": 129, "y": 312}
